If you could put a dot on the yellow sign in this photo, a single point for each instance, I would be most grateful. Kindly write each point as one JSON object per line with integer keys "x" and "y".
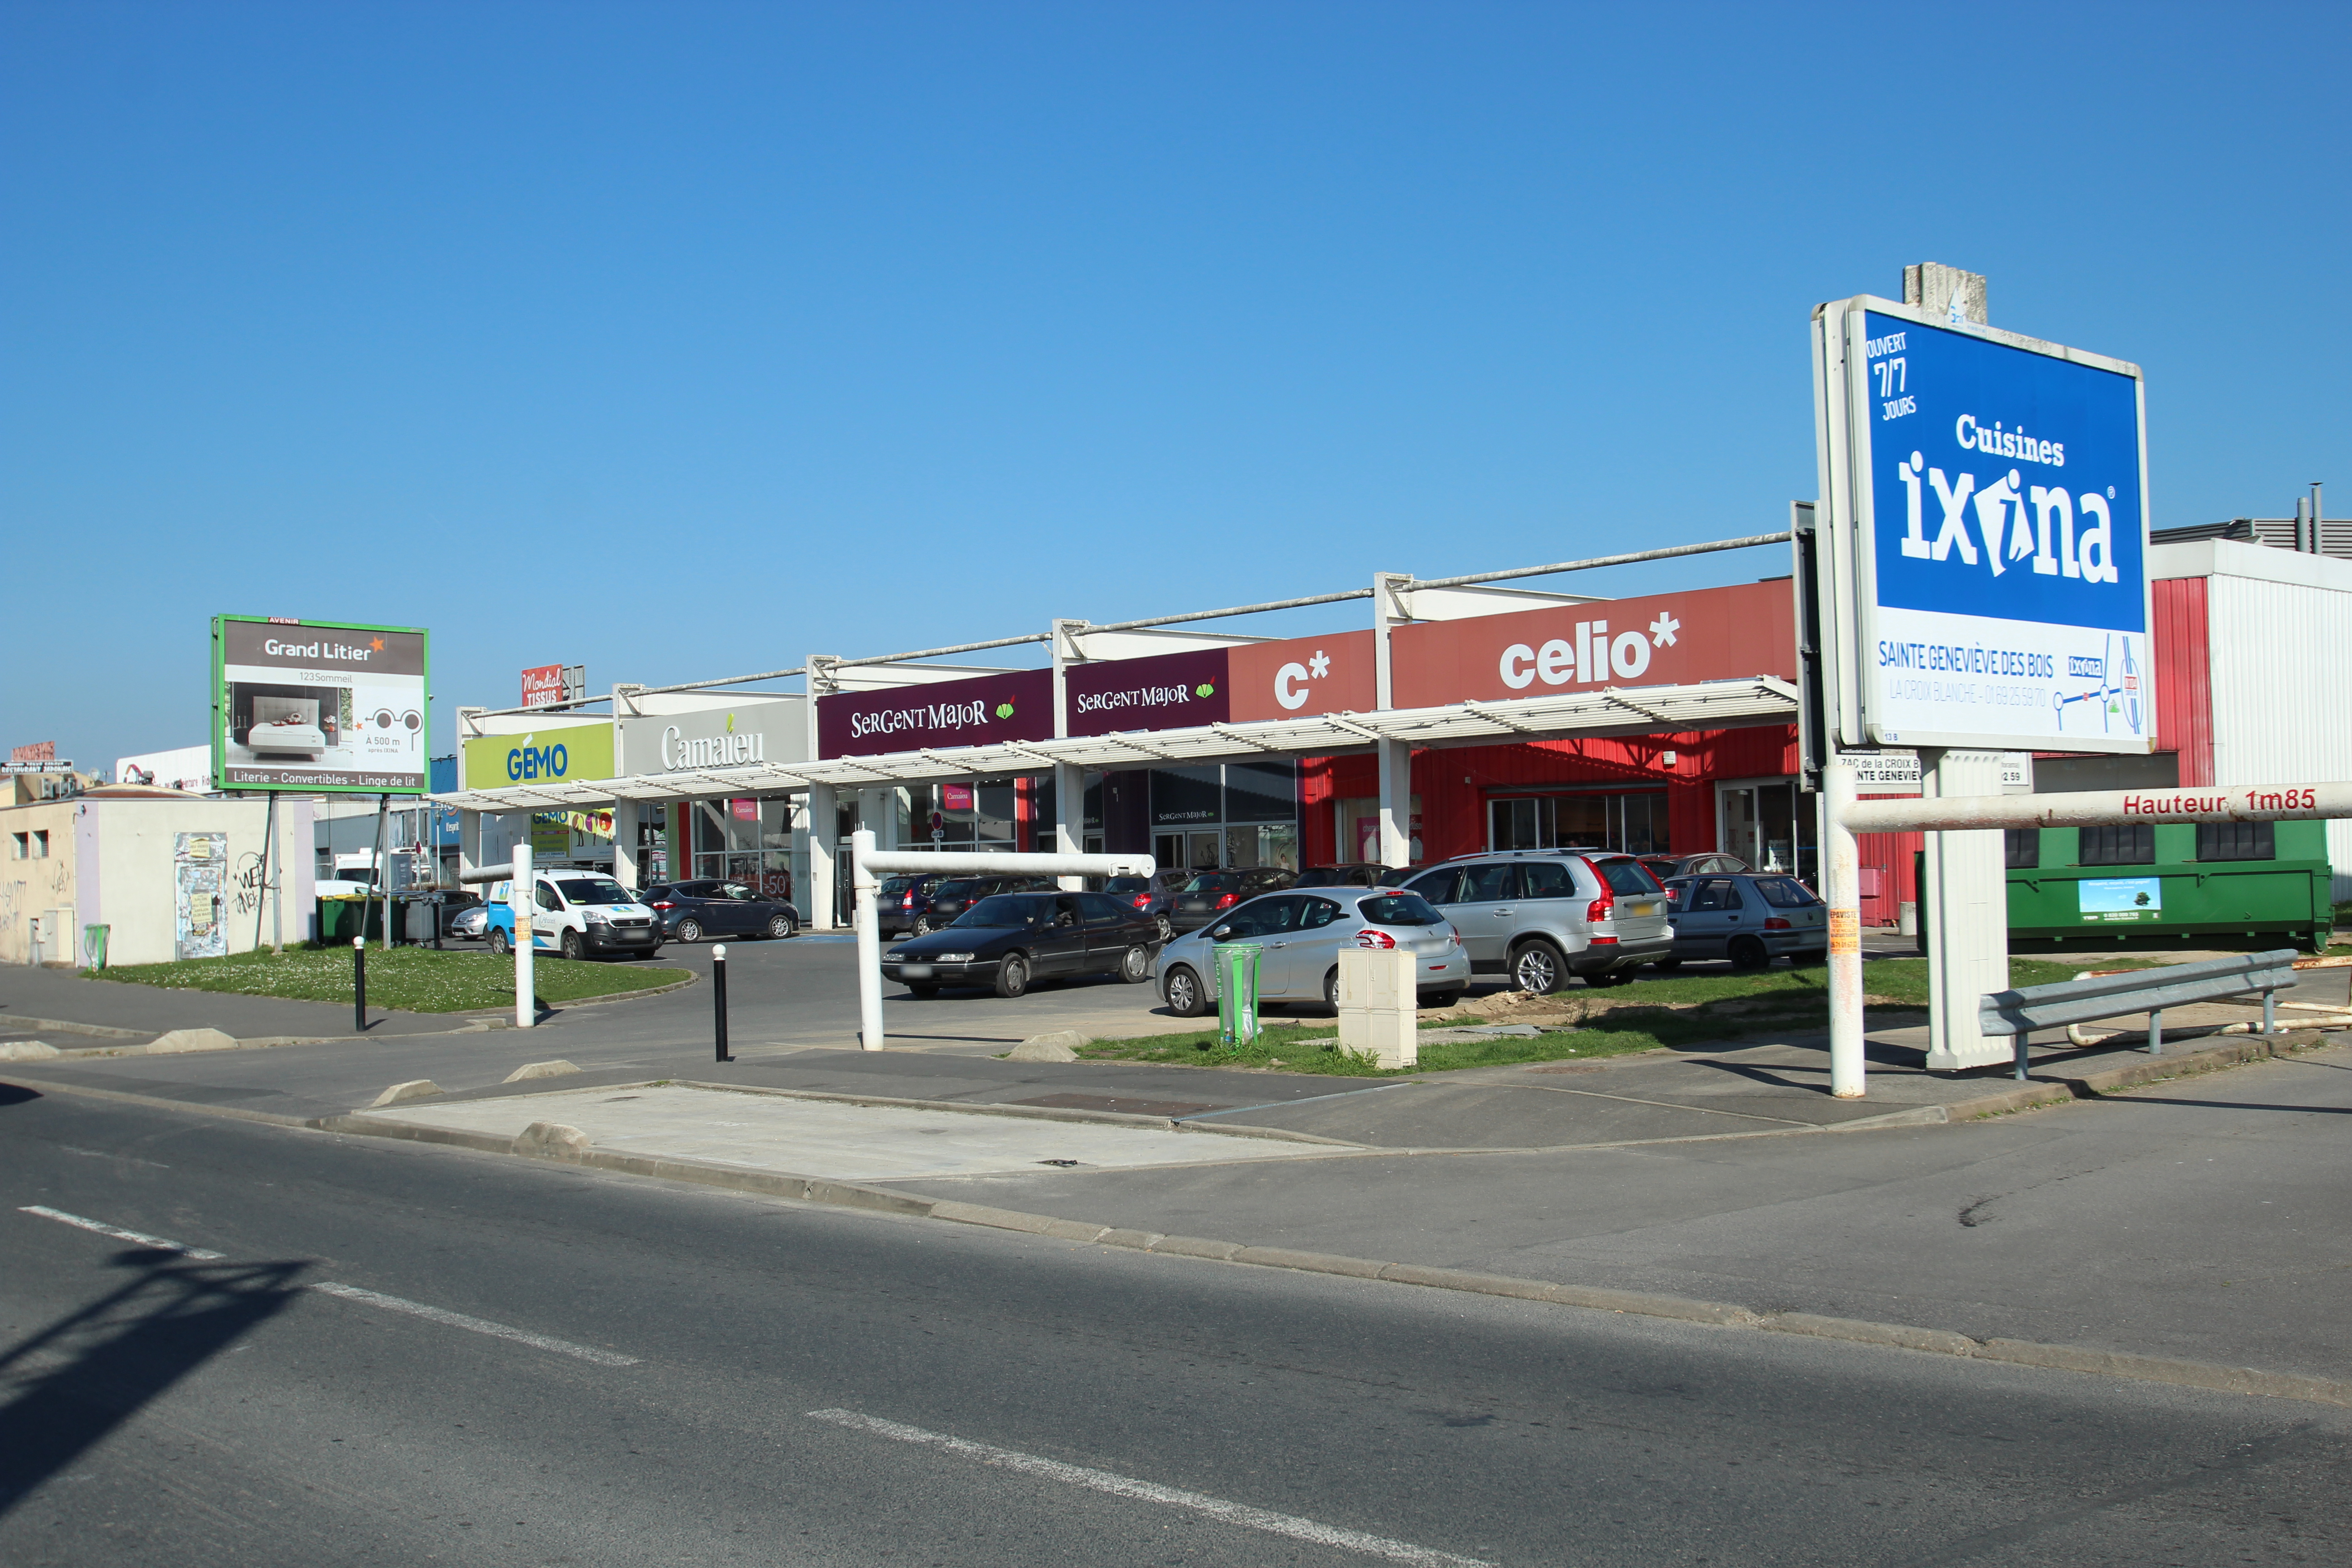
{"x": 1845, "y": 930}
{"x": 542, "y": 756}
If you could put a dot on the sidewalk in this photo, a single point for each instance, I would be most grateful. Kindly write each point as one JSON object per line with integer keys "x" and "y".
{"x": 34, "y": 1001}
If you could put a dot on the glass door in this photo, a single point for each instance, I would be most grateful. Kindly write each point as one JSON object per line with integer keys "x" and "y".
{"x": 1769, "y": 825}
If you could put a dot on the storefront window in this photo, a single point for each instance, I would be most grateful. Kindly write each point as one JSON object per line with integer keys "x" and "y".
{"x": 1634, "y": 824}
{"x": 1769, "y": 823}
{"x": 1242, "y": 815}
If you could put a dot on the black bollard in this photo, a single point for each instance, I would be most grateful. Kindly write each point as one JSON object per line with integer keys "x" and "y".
{"x": 719, "y": 997}
{"x": 359, "y": 984}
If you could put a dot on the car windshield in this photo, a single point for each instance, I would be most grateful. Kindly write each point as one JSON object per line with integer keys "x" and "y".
{"x": 1006, "y": 910}
{"x": 1785, "y": 893}
{"x": 1128, "y": 885}
{"x": 1328, "y": 877}
{"x": 595, "y": 890}
{"x": 948, "y": 892}
{"x": 1215, "y": 882}
{"x": 1626, "y": 877}
{"x": 1400, "y": 910}
{"x": 897, "y": 886}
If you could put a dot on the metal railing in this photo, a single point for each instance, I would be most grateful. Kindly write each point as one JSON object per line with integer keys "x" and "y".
{"x": 2020, "y": 1012}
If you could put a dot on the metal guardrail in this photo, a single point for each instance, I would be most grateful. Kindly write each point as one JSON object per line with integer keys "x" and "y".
{"x": 2019, "y": 1012}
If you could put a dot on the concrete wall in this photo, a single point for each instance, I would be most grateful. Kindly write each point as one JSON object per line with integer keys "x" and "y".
{"x": 111, "y": 864}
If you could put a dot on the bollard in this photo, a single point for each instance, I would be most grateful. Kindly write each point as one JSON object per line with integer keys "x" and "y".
{"x": 719, "y": 997}
{"x": 359, "y": 984}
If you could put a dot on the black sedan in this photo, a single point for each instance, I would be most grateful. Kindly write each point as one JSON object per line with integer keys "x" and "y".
{"x": 691, "y": 912}
{"x": 1210, "y": 893}
{"x": 951, "y": 898}
{"x": 1007, "y": 939}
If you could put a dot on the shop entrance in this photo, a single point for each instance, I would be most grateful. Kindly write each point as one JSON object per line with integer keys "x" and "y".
{"x": 1768, "y": 823}
{"x": 1213, "y": 818}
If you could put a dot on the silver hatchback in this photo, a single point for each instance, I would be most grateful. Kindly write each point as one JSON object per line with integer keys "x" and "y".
{"x": 1299, "y": 936}
{"x": 1750, "y": 920}
{"x": 1538, "y": 916}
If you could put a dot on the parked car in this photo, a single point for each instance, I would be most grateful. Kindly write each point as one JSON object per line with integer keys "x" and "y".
{"x": 1006, "y": 941}
{"x": 901, "y": 901}
{"x": 1541, "y": 915}
{"x": 1299, "y": 936}
{"x": 469, "y": 924}
{"x": 691, "y": 912}
{"x": 1210, "y": 894}
{"x": 1352, "y": 874}
{"x": 1154, "y": 895}
{"x": 575, "y": 913}
{"x": 951, "y": 898}
{"x": 1665, "y": 867}
{"x": 1750, "y": 920}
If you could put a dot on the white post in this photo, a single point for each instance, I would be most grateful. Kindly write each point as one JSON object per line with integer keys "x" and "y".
{"x": 382, "y": 871}
{"x": 1841, "y": 887}
{"x": 268, "y": 845}
{"x": 869, "y": 942}
{"x": 1069, "y": 815}
{"x": 824, "y": 835}
{"x": 625, "y": 845}
{"x": 1967, "y": 916}
{"x": 1396, "y": 803}
{"x": 520, "y": 902}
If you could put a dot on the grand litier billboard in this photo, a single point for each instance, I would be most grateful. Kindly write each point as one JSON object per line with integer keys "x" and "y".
{"x": 1988, "y": 530}
{"x": 317, "y": 706}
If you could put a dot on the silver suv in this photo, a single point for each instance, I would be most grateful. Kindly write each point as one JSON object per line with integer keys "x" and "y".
{"x": 1541, "y": 915}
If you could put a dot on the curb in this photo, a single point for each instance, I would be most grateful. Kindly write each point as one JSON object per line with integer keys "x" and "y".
{"x": 2064, "y": 1088}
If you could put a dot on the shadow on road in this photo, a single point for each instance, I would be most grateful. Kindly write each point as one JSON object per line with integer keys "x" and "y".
{"x": 73, "y": 1382}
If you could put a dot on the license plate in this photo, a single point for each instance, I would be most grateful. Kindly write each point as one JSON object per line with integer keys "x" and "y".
{"x": 1641, "y": 910}
{"x": 914, "y": 972}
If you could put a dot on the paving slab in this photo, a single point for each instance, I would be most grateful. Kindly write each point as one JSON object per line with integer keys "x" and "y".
{"x": 821, "y": 1138}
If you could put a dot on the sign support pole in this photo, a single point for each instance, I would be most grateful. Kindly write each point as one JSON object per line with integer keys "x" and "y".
{"x": 261, "y": 885}
{"x": 1841, "y": 885}
{"x": 520, "y": 901}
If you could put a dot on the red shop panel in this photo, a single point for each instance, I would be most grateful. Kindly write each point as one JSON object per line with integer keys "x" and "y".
{"x": 2184, "y": 686}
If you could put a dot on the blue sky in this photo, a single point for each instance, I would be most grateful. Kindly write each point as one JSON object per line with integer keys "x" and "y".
{"x": 686, "y": 340}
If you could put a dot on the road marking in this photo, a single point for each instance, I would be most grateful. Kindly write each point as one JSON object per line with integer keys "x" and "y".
{"x": 118, "y": 1234}
{"x": 1273, "y": 1523}
{"x": 476, "y": 1325}
{"x": 351, "y": 1292}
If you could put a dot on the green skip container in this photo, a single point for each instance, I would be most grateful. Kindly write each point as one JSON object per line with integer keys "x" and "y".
{"x": 2163, "y": 882}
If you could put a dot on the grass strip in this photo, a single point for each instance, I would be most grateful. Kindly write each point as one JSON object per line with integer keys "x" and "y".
{"x": 411, "y": 979}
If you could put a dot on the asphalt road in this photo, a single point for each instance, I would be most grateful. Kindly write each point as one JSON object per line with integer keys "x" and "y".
{"x": 990, "y": 1398}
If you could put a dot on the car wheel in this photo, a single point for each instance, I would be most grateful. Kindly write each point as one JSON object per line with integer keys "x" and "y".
{"x": 923, "y": 926}
{"x": 780, "y": 927}
{"x": 1608, "y": 978}
{"x": 1538, "y": 969}
{"x": 1013, "y": 975}
{"x": 1186, "y": 997}
{"x": 1747, "y": 953}
{"x": 923, "y": 993}
{"x": 1331, "y": 990}
{"x": 1668, "y": 965}
{"x": 499, "y": 943}
{"x": 1441, "y": 999}
{"x": 1135, "y": 964}
{"x": 690, "y": 930}
{"x": 1167, "y": 929}
{"x": 573, "y": 948}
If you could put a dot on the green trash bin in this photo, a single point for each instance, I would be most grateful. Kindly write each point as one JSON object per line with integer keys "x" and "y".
{"x": 1236, "y": 993}
{"x": 93, "y": 945}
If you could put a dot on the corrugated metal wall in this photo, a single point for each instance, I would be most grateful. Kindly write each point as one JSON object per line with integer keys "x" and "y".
{"x": 2184, "y": 689}
{"x": 2282, "y": 691}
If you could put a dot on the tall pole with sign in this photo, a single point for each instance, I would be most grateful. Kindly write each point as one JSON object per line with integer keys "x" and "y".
{"x": 1983, "y": 585}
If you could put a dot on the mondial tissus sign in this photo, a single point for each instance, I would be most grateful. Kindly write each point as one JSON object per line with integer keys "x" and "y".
{"x": 1985, "y": 572}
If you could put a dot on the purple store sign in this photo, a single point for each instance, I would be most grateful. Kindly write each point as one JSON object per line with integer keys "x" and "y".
{"x": 1169, "y": 692}
{"x": 982, "y": 712}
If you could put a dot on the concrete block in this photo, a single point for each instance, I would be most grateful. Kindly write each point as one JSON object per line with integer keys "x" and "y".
{"x": 1312, "y": 1262}
{"x": 1860, "y": 1331}
{"x": 1197, "y": 1247}
{"x": 191, "y": 1040}
{"x": 1379, "y": 1011}
{"x": 540, "y": 1069}
{"x": 27, "y": 1051}
{"x": 1645, "y": 1304}
{"x": 551, "y": 1138}
{"x": 1465, "y": 1279}
{"x": 1141, "y": 1240}
{"x": 415, "y": 1089}
{"x": 995, "y": 1218}
{"x": 1061, "y": 1046}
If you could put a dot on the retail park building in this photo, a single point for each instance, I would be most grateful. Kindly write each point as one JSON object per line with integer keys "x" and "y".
{"x": 1465, "y": 716}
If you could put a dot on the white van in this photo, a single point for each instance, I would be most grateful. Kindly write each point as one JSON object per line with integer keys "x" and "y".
{"x": 575, "y": 913}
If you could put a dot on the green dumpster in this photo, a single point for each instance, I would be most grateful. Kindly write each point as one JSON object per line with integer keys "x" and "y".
{"x": 340, "y": 920}
{"x": 1236, "y": 993}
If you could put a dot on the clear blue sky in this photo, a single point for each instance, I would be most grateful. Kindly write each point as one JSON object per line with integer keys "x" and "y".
{"x": 685, "y": 340}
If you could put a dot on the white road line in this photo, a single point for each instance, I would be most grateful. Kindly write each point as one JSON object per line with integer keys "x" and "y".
{"x": 353, "y": 1293}
{"x": 1273, "y": 1523}
{"x": 477, "y": 1325}
{"x": 118, "y": 1234}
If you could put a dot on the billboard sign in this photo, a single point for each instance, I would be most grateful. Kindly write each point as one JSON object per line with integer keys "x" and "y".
{"x": 1662, "y": 639}
{"x": 555, "y": 754}
{"x": 38, "y": 751}
{"x": 543, "y": 684}
{"x": 1985, "y": 575}
{"x": 317, "y": 706}
{"x": 1164, "y": 691}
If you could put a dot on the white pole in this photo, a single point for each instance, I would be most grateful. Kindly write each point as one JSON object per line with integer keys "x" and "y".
{"x": 1842, "y": 886}
{"x": 519, "y": 898}
{"x": 869, "y": 942}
